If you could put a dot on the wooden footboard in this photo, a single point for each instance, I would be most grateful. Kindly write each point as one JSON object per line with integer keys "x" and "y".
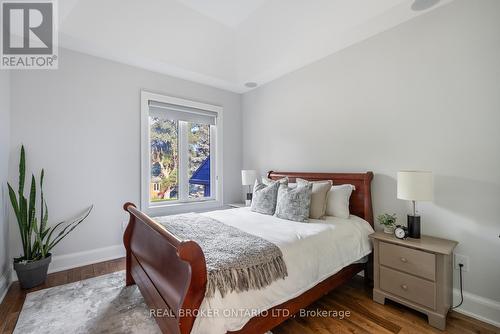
{"x": 170, "y": 273}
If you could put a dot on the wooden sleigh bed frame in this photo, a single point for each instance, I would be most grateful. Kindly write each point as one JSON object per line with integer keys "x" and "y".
{"x": 171, "y": 273}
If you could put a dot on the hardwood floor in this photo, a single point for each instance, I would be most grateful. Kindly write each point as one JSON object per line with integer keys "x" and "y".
{"x": 365, "y": 315}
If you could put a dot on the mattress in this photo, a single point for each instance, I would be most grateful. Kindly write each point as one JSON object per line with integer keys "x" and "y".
{"x": 312, "y": 252}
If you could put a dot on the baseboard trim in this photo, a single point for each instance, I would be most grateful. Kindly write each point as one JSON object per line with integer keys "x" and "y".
{"x": 5, "y": 282}
{"x": 477, "y": 307}
{"x": 73, "y": 260}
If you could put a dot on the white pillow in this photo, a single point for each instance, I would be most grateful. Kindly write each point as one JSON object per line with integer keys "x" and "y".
{"x": 337, "y": 200}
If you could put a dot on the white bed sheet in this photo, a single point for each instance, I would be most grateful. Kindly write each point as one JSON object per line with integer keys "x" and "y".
{"x": 312, "y": 252}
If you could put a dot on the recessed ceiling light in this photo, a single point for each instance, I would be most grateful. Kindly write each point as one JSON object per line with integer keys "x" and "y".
{"x": 419, "y": 5}
{"x": 251, "y": 84}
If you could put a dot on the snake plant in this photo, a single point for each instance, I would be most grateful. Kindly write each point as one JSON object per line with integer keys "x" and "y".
{"x": 37, "y": 237}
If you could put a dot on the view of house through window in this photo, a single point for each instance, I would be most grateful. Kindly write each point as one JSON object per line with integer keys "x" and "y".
{"x": 199, "y": 160}
{"x": 180, "y": 150}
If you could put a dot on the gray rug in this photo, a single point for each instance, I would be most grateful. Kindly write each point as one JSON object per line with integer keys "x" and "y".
{"x": 97, "y": 305}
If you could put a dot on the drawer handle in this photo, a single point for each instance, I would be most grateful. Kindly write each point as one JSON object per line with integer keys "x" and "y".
{"x": 403, "y": 259}
{"x": 404, "y": 287}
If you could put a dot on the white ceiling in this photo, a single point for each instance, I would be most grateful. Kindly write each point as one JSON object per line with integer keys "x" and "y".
{"x": 228, "y": 12}
{"x": 225, "y": 43}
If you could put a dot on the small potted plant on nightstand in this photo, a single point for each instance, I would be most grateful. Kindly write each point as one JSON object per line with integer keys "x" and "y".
{"x": 388, "y": 221}
{"x": 37, "y": 237}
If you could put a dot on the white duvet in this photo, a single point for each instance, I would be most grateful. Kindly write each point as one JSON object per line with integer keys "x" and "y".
{"x": 312, "y": 252}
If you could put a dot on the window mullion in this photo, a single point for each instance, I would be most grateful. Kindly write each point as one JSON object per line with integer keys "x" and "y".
{"x": 214, "y": 178}
{"x": 183, "y": 161}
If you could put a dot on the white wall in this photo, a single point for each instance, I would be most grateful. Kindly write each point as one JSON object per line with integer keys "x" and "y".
{"x": 4, "y": 201}
{"x": 424, "y": 95}
{"x": 82, "y": 124}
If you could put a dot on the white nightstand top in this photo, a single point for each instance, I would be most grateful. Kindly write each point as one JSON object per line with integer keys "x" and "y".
{"x": 426, "y": 243}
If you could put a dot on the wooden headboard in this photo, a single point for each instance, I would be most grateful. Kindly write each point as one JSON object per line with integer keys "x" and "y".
{"x": 361, "y": 198}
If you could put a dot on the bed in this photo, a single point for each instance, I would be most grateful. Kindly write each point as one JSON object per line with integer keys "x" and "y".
{"x": 171, "y": 273}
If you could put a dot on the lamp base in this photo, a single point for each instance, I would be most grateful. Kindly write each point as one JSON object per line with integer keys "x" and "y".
{"x": 248, "y": 201}
{"x": 414, "y": 227}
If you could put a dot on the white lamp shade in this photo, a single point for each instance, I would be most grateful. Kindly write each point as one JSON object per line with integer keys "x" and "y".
{"x": 415, "y": 185}
{"x": 248, "y": 177}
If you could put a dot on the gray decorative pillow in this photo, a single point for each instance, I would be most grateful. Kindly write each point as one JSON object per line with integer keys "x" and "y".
{"x": 268, "y": 181}
{"x": 264, "y": 197}
{"x": 294, "y": 203}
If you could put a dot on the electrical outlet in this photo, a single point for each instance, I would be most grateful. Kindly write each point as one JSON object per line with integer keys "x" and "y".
{"x": 463, "y": 260}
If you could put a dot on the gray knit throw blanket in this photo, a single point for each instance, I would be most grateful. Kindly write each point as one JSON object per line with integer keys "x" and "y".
{"x": 236, "y": 260}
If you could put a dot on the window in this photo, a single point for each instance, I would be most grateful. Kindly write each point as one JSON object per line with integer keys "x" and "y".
{"x": 179, "y": 153}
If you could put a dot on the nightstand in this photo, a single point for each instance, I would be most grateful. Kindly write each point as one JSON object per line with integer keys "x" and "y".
{"x": 237, "y": 205}
{"x": 417, "y": 273}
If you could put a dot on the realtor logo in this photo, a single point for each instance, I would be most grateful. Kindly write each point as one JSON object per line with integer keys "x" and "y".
{"x": 29, "y": 35}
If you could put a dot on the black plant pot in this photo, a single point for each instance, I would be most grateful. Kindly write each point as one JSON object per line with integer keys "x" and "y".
{"x": 31, "y": 274}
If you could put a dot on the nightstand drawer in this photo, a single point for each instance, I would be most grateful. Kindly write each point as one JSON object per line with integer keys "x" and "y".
{"x": 408, "y": 287}
{"x": 409, "y": 260}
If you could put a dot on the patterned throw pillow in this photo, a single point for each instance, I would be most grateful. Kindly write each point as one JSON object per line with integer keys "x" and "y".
{"x": 294, "y": 203}
{"x": 268, "y": 181}
{"x": 264, "y": 197}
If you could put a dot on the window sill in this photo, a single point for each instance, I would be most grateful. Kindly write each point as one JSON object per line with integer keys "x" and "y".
{"x": 182, "y": 207}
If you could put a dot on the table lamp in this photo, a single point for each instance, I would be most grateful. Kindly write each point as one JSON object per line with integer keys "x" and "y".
{"x": 415, "y": 186}
{"x": 248, "y": 178}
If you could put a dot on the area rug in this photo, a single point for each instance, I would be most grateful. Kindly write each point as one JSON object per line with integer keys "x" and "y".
{"x": 97, "y": 305}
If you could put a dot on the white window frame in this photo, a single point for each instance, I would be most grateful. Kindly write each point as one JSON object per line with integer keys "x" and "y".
{"x": 183, "y": 204}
